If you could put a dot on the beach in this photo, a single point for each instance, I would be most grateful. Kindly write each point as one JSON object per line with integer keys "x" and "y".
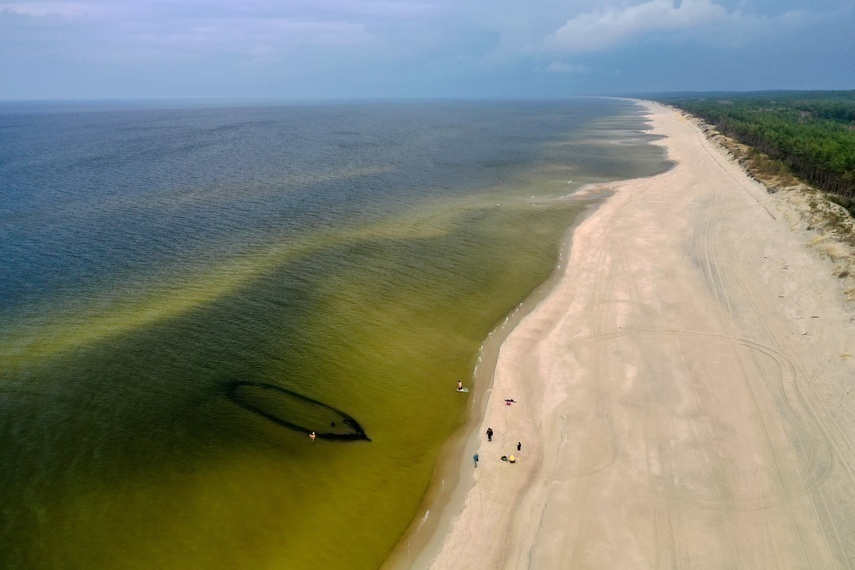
{"x": 681, "y": 396}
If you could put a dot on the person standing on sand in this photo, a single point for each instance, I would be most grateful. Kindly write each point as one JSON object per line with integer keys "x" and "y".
{"x": 519, "y": 445}
{"x": 475, "y": 458}
{"x": 459, "y": 385}
{"x": 489, "y": 434}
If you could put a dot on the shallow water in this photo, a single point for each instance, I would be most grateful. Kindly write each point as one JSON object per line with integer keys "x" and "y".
{"x": 339, "y": 261}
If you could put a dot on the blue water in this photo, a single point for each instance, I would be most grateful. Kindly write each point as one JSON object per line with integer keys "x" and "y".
{"x": 341, "y": 260}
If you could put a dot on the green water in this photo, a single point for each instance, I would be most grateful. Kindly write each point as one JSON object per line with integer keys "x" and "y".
{"x": 123, "y": 449}
{"x": 392, "y": 319}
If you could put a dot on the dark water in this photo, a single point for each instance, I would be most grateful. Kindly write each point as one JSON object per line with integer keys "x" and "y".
{"x": 186, "y": 293}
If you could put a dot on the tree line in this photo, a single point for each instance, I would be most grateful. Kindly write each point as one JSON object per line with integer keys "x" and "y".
{"x": 811, "y": 132}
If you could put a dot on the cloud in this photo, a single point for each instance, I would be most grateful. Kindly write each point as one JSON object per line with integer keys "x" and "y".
{"x": 68, "y": 10}
{"x": 600, "y": 30}
{"x": 561, "y": 67}
{"x": 101, "y": 32}
{"x": 193, "y": 47}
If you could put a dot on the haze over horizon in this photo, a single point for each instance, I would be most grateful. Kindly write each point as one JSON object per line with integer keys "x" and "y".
{"x": 301, "y": 49}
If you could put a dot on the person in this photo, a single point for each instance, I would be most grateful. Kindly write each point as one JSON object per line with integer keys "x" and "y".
{"x": 312, "y": 435}
{"x": 489, "y": 434}
{"x": 475, "y": 458}
{"x": 459, "y": 385}
{"x": 519, "y": 445}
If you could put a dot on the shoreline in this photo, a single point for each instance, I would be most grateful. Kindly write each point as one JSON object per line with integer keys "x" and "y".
{"x": 442, "y": 501}
{"x": 670, "y": 400}
{"x": 423, "y": 538}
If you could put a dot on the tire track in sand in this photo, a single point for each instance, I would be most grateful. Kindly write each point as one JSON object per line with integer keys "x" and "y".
{"x": 833, "y": 451}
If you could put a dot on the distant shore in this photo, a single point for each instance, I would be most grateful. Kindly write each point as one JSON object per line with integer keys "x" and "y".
{"x": 674, "y": 393}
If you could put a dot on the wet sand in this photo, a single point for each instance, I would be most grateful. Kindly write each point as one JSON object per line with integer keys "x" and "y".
{"x": 683, "y": 394}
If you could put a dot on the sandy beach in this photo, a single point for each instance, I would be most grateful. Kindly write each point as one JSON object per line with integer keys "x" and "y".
{"x": 683, "y": 395}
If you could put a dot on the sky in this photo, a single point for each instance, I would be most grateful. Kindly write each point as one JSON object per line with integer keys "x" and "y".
{"x": 334, "y": 49}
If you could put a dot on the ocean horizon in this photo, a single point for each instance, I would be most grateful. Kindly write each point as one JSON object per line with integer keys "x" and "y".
{"x": 187, "y": 293}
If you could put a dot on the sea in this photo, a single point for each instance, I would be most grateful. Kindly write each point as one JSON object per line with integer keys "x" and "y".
{"x": 189, "y": 290}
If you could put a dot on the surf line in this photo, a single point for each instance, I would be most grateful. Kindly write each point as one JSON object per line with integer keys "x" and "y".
{"x": 356, "y": 433}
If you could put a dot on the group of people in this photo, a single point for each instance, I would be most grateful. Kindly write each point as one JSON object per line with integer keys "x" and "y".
{"x": 476, "y": 457}
{"x": 510, "y": 459}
